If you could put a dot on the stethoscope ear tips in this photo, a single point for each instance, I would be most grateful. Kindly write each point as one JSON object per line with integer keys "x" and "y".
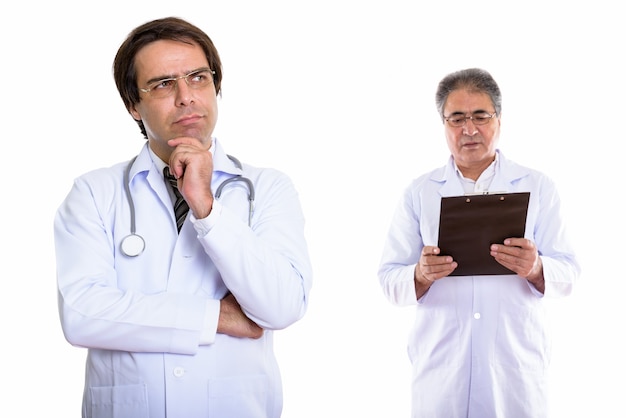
{"x": 132, "y": 245}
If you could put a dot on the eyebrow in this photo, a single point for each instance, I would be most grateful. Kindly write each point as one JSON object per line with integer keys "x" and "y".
{"x": 169, "y": 77}
{"x": 473, "y": 113}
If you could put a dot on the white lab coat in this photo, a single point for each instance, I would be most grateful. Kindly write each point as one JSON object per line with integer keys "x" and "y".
{"x": 141, "y": 318}
{"x": 479, "y": 346}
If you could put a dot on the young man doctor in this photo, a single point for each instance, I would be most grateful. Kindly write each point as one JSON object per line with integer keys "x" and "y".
{"x": 181, "y": 325}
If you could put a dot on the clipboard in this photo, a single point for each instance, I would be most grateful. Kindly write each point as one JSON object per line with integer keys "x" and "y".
{"x": 469, "y": 224}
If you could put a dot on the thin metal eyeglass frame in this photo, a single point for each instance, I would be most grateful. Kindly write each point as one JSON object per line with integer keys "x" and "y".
{"x": 175, "y": 79}
{"x": 472, "y": 118}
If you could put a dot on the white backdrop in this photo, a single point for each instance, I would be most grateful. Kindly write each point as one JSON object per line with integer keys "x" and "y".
{"x": 340, "y": 95}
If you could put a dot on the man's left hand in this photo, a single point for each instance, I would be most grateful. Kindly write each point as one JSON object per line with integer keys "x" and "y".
{"x": 520, "y": 255}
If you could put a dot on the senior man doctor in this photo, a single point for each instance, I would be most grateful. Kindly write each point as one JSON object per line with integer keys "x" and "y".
{"x": 480, "y": 344}
{"x": 179, "y": 323}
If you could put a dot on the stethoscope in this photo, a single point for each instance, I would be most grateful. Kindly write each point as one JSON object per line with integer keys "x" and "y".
{"x": 133, "y": 244}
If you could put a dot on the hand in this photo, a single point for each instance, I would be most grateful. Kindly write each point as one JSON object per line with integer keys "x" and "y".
{"x": 431, "y": 267}
{"x": 520, "y": 255}
{"x": 232, "y": 321}
{"x": 192, "y": 165}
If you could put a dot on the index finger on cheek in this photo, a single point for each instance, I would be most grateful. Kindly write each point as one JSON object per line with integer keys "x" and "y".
{"x": 174, "y": 142}
{"x": 186, "y": 140}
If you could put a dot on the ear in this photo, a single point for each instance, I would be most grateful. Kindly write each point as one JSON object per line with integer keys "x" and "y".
{"x": 133, "y": 112}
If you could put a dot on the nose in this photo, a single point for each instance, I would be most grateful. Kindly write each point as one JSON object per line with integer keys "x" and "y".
{"x": 184, "y": 96}
{"x": 469, "y": 128}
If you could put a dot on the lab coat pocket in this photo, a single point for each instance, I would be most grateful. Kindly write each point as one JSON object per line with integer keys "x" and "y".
{"x": 129, "y": 401}
{"x": 522, "y": 341}
{"x": 243, "y": 396}
{"x": 437, "y": 335}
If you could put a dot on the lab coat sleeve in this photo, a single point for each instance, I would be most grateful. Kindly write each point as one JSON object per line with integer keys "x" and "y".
{"x": 265, "y": 266}
{"x": 560, "y": 266}
{"x": 401, "y": 253}
{"x": 95, "y": 311}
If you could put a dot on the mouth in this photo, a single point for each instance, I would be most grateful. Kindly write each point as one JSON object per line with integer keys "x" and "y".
{"x": 188, "y": 120}
{"x": 471, "y": 144}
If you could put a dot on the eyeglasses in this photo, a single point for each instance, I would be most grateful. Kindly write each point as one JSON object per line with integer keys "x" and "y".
{"x": 478, "y": 118}
{"x": 164, "y": 87}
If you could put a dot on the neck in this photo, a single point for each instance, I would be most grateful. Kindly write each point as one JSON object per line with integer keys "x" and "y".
{"x": 473, "y": 172}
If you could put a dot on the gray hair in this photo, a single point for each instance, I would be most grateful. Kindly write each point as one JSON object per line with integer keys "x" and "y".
{"x": 473, "y": 79}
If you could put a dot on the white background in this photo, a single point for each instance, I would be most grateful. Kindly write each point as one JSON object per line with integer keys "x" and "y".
{"x": 339, "y": 95}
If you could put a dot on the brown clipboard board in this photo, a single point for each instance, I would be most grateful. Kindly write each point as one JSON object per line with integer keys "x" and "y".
{"x": 468, "y": 225}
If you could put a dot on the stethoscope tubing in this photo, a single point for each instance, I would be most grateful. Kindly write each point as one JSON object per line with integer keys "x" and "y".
{"x": 133, "y": 244}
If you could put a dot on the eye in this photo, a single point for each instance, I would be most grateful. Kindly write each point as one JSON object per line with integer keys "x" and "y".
{"x": 199, "y": 78}
{"x": 481, "y": 118}
{"x": 163, "y": 84}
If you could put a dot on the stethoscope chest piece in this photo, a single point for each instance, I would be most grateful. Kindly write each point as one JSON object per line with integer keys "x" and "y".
{"x": 132, "y": 245}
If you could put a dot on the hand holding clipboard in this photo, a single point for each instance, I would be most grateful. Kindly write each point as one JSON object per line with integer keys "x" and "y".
{"x": 468, "y": 225}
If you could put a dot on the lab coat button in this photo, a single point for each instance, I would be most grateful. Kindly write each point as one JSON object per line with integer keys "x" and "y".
{"x": 179, "y": 371}
{"x": 477, "y": 315}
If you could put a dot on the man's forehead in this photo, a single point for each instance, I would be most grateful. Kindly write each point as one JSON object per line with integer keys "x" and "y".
{"x": 166, "y": 58}
{"x": 464, "y": 101}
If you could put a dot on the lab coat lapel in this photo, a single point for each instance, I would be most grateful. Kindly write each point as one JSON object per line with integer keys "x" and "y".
{"x": 507, "y": 174}
{"x": 221, "y": 162}
{"x": 145, "y": 173}
{"x": 451, "y": 186}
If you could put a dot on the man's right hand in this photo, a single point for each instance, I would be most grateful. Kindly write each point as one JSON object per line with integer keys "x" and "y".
{"x": 234, "y": 322}
{"x": 431, "y": 267}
